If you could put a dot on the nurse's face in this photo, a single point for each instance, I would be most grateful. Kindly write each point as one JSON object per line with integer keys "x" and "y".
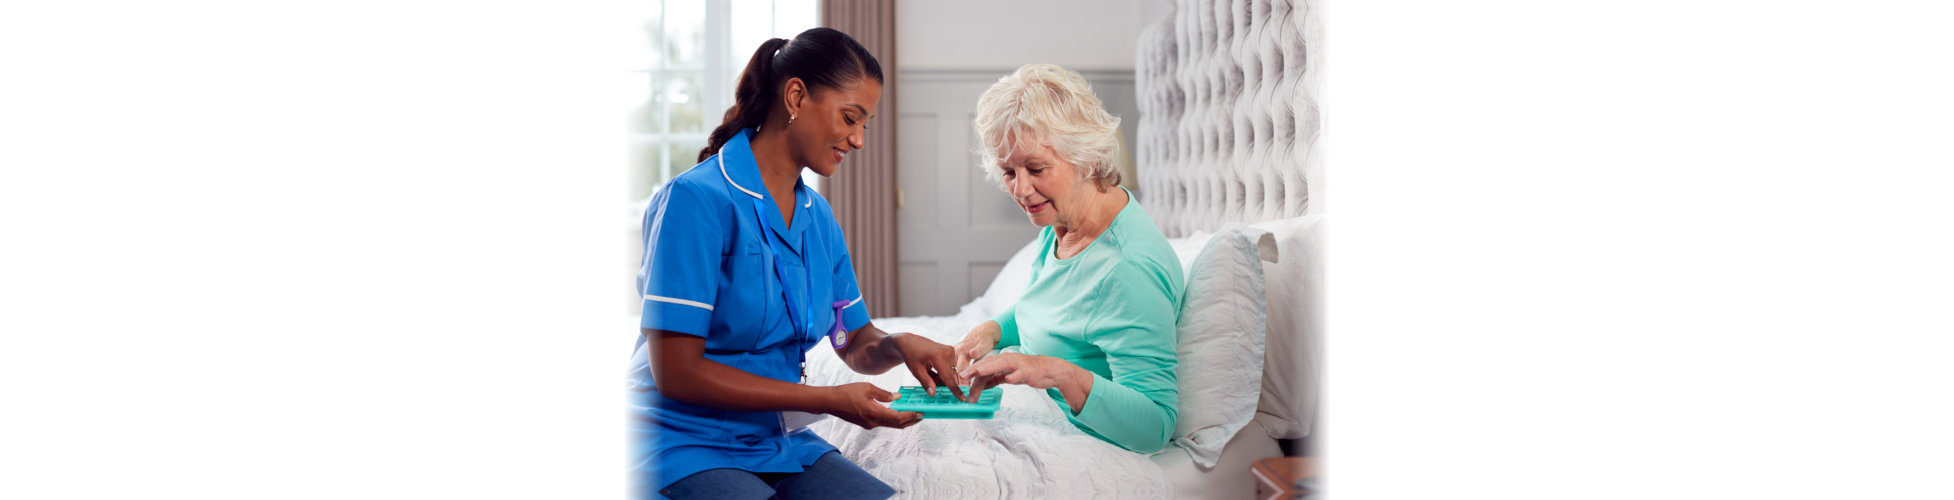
{"x": 833, "y": 123}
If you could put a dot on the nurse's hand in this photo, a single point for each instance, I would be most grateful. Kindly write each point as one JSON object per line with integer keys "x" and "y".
{"x": 862, "y": 404}
{"x": 933, "y": 364}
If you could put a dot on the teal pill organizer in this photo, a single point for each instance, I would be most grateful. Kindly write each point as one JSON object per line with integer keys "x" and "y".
{"x": 946, "y": 405}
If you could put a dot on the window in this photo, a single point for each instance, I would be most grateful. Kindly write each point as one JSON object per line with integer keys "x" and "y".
{"x": 689, "y": 63}
{"x": 685, "y": 69}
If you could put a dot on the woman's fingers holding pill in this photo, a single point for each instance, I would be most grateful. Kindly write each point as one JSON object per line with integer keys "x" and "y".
{"x": 989, "y": 372}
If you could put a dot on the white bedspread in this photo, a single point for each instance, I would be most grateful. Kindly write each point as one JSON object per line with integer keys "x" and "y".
{"x": 1028, "y": 450}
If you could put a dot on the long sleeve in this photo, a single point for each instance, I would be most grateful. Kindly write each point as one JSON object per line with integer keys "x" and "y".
{"x": 1133, "y": 324}
{"x": 1007, "y": 326}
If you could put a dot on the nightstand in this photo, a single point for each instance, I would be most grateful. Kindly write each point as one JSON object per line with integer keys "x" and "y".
{"x": 1283, "y": 477}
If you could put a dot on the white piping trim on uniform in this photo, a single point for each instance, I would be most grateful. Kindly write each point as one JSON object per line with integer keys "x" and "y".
{"x": 858, "y": 300}
{"x": 682, "y": 302}
{"x": 810, "y": 202}
{"x": 729, "y": 179}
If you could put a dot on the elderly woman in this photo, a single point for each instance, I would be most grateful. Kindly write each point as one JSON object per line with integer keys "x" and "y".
{"x": 1095, "y": 326}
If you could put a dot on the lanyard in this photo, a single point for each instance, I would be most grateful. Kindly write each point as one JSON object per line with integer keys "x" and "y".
{"x": 801, "y": 317}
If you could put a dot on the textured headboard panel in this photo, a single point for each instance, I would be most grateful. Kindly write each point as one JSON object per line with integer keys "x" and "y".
{"x": 1228, "y": 130}
{"x": 1228, "y": 115}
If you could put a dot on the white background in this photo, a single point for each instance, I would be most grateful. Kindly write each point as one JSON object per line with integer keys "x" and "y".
{"x": 365, "y": 249}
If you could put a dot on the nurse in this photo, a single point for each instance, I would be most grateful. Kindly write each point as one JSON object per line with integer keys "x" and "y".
{"x": 744, "y": 271}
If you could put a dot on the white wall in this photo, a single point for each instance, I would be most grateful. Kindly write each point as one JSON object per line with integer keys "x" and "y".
{"x": 1079, "y": 35}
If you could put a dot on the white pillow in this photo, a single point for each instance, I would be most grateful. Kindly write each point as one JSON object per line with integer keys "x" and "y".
{"x": 1223, "y": 328}
{"x": 1007, "y": 287}
{"x": 1295, "y": 350}
{"x": 1188, "y": 247}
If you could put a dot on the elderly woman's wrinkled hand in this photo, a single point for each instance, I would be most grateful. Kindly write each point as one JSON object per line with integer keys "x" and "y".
{"x": 976, "y": 344}
{"x": 1039, "y": 372}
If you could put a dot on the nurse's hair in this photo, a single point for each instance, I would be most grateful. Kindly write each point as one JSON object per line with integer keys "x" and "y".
{"x": 1045, "y": 105}
{"x": 820, "y": 57}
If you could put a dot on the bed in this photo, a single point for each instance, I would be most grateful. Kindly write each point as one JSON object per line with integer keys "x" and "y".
{"x": 1228, "y": 168}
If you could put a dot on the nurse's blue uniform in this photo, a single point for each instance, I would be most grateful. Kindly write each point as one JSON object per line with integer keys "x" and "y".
{"x": 708, "y": 272}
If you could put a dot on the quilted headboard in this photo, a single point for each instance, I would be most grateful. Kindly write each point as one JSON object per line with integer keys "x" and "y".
{"x": 1228, "y": 114}
{"x": 1228, "y": 129}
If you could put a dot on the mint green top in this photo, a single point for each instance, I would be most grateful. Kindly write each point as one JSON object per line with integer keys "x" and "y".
{"x": 1110, "y": 309}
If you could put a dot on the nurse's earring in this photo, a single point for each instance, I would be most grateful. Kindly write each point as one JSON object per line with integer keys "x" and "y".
{"x": 790, "y": 119}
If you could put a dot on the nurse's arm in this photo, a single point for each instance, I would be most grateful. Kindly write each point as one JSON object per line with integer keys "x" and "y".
{"x": 680, "y": 369}
{"x": 873, "y": 351}
{"x": 870, "y": 351}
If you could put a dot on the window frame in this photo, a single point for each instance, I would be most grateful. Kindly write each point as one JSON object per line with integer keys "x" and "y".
{"x": 719, "y": 68}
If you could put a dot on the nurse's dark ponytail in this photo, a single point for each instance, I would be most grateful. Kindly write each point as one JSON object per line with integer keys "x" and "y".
{"x": 750, "y": 100}
{"x": 820, "y": 57}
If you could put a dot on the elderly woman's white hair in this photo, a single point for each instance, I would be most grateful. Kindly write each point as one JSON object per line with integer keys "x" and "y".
{"x": 1046, "y": 105}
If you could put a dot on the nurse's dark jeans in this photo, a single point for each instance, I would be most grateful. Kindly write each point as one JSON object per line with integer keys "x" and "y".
{"x": 831, "y": 476}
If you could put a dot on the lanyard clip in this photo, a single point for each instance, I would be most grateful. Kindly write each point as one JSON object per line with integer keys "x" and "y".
{"x": 838, "y": 338}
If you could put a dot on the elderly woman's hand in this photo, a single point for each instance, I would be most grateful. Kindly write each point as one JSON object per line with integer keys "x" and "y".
{"x": 976, "y": 344}
{"x": 932, "y": 363}
{"x": 1040, "y": 372}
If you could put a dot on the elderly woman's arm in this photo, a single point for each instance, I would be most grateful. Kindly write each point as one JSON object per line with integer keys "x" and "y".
{"x": 1133, "y": 323}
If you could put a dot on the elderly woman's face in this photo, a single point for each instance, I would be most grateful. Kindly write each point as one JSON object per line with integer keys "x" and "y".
{"x": 1048, "y": 188}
